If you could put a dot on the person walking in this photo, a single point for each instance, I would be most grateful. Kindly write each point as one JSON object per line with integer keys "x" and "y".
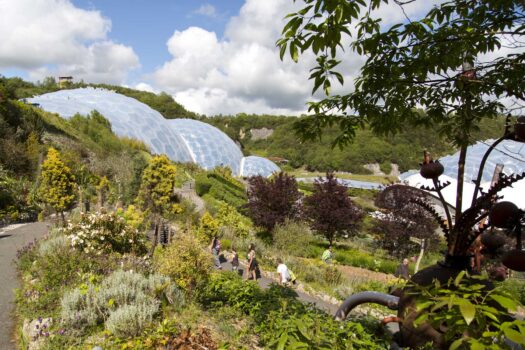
{"x": 328, "y": 255}
{"x": 284, "y": 273}
{"x": 252, "y": 263}
{"x": 235, "y": 260}
{"x": 215, "y": 250}
{"x": 402, "y": 270}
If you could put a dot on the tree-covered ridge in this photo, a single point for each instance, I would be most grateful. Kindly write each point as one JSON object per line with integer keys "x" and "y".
{"x": 404, "y": 148}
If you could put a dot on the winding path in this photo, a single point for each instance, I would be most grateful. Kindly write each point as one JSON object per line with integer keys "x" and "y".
{"x": 12, "y": 238}
{"x": 265, "y": 282}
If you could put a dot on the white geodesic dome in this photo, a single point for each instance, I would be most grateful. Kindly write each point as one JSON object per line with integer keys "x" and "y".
{"x": 182, "y": 140}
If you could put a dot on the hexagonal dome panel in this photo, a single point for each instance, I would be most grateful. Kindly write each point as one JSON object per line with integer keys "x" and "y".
{"x": 209, "y": 147}
{"x": 128, "y": 117}
{"x": 182, "y": 140}
{"x": 253, "y": 165}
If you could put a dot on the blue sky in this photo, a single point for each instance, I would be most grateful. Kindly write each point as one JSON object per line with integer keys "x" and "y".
{"x": 146, "y": 25}
{"x": 214, "y": 57}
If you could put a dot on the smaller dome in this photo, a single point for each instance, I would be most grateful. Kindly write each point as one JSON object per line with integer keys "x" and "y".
{"x": 253, "y": 166}
{"x": 208, "y": 146}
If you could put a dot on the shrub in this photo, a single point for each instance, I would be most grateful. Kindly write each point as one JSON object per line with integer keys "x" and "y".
{"x": 125, "y": 301}
{"x": 515, "y": 287}
{"x": 292, "y": 238}
{"x": 130, "y": 320}
{"x": 230, "y": 219}
{"x": 282, "y": 321}
{"x": 272, "y": 201}
{"x": 103, "y": 233}
{"x": 202, "y": 184}
{"x": 185, "y": 260}
{"x": 469, "y": 313}
{"x": 54, "y": 246}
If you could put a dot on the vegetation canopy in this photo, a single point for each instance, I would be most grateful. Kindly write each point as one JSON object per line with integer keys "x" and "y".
{"x": 448, "y": 62}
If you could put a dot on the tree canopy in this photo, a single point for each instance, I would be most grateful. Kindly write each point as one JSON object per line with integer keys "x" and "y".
{"x": 459, "y": 62}
{"x": 57, "y": 183}
{"x": 330, "y": 210}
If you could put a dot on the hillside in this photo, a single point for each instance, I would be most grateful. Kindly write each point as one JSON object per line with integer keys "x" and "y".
{"x": 404, "y": 149}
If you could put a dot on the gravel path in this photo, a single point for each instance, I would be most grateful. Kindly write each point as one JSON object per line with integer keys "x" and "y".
{"x": 12, "y": 238}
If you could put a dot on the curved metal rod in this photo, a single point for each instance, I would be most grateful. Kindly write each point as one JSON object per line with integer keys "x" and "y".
{"x": 482, "y": 166}
{"x": 445, "y": 204}
{"x": 352, "y": 301}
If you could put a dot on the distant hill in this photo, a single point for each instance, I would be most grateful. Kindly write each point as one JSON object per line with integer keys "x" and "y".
{"x": 273, "y": 136}
{"x": 404, "y": 149}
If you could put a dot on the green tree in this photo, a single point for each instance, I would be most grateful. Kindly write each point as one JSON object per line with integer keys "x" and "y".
{"x": 57, "y": 183}
{"x": 448, "y": 62}
{"x": 156, "y": 191}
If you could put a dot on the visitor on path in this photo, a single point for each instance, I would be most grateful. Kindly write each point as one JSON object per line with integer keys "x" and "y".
{"x": 215, "y": 250}
{"x": 284, "y": 273}
{"x": 402, "y": 270}
{"x": 235, "y": 260}
{"x": 328, "y": 255}
{"x": 252, "y": 263}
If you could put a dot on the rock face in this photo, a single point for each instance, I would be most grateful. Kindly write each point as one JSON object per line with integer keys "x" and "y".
{"x": 375, "y": 168}
{"x": 261, "y": 134}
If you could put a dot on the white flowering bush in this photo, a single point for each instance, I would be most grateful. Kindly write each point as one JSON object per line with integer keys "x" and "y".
{"x": 105, "y": 232}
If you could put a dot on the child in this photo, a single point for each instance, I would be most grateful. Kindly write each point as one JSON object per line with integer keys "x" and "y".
{"x": 235, "y": 260}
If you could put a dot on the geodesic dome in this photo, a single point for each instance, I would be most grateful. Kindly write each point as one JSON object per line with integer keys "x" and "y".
{"x": 182, "y": 140}
{"x": 208, "y": 146}
{"x": 253, "y": 165}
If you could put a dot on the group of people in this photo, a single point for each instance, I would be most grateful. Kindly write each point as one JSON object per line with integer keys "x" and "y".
{"x": 286, "y": 276}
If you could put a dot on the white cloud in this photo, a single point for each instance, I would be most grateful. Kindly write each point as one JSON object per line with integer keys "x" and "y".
{"x": 53, "y": 37}
{"x": 241, "y": 72}
{"x": 145, "y": 87}
{"x": 206, "y": 10}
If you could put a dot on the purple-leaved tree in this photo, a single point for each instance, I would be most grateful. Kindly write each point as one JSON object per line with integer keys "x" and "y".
{"x": 272, "y": 201}
{"x": 330, "y": 211}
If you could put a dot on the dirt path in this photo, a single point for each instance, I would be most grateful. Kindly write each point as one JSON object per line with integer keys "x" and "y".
{"x": 12, "y": 238}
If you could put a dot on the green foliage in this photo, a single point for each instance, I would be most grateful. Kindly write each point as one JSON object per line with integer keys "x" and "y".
{"x": 57, "y": 183}
{"x": 124, "y": 301}
{"x": 208, "y": 228}
{"x": 202, "y": 184}
{"x": 219, "y": 186}
{"x": 133, "y": 217}
{"x": 472, "y": 314}
{"x": 293, "y": 238}
{"x": 403, "y": 148}
{"x": 422, "y": 49}
{"x": 282, "y": 321}
{"x": 229, "y": 219}
{"x": 515, "y": 287}
{"x": 156, "y": 189}
{"x": 185, "y": 260}
{"x": 99, "y": 233}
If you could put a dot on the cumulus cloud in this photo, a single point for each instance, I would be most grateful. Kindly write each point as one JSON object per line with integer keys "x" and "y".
{"x": 242, "y": 72}
{"x": 206, "y": 10}
{"x": 52, "y": 37}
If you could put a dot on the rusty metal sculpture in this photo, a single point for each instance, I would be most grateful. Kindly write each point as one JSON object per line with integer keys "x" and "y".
{"x": 460, "y": 230}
